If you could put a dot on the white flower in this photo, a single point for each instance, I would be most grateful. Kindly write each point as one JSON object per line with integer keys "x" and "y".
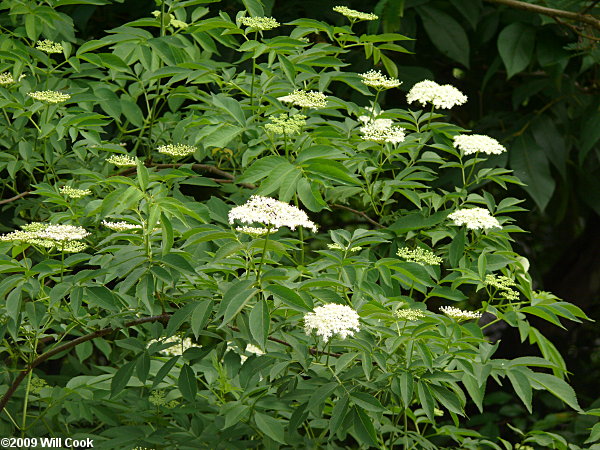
{"x": 419, "y": 256}
{"x": 49, "y": 46}
{"x": 6, "y": 78}
{"x": 74, "y": 193}
{"x": 254, "y": 231}
{"x": 49, "y": 96}
{"x": 332, "y": 319}
{"x": 64, "y": 237}
{"x": 382, "y": 130}
{"x": 284, "y": 124}
{"x": 478, "y": 143}
{"x": 250, "y": 348}
{"x": 474, "y": 219}
{"x": 409, "y": 314}
{"x": 63, "y": 233}
{"x": 177, "y": 149}
{"x": 459, "y": 314}
{"x": 377, "y": 80}
{"x": 121, "y": 160}
{"x": 270, "y": 212}
{"x": 121, "y": 226}
{"x": 353, "y": 14}
{"x": 305, "y": 99}
{"x": 441, "y": 96}
{"x": 259, "y": 23}
{"x": 176, "y": 350}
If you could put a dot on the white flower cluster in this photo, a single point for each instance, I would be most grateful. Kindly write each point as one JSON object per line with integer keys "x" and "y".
{"x": 332, "y": 319}
{"x": 121, "y": 160}
{"x": 49, "y": 96}
{"x": 270, "y": 212}
{"x": 63, "y": 237}
{"x": 48, "y": 46}
{"x": 121, "y": 226}
{"x": 474, "y": 219}
{"x": 6, "y": 78}
{"x": 339, "y": 247}
{"x": 459, "y": 314}
{"x": 259, "y": 23}
{"x": 178, "y": 150}
{"x": 377, "y": 80}
{"x": 251, "y": 348}
{"x": 305, "y": 99}
{"x": 381, "y": 130}
{"x": 288, "y": 125}
{"x": 255, "y": 231}
{"x": 478, "y": 143}
{"x": 172, "y": 20}
{"x": 73, "y": 192}
{"x": 176, "y": 350}
{"x": 409, "y": 314}
{"x": 504, "y": 284}
{"x": 353, "y": 14}
{"x": 441, "y": 96}
{"x": 420, "y": 256}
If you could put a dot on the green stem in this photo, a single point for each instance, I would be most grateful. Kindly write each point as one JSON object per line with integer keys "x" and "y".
{"x": 27, "y": 389}
{"x": 262, "y": 257}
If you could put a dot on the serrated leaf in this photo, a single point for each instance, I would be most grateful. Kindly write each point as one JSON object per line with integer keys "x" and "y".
{"x": 259, "y": 322}
{"x": 270, "y": 426}
{"x": 515, "y": 44}
{"x": 187, "y": 383}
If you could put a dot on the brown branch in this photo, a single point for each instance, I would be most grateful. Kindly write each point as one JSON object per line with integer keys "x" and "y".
{"x": 67, "y": 346}
{"x": 576, "y": 30}
{"x": 16, "y": 197}
{"x": 360, "y": 213}
{"x": 585, "y": 18}
{"x": 197, "y": 167}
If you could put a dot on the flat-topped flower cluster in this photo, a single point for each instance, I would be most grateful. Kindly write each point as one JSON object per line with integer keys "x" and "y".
{"x": 271, "y": 213}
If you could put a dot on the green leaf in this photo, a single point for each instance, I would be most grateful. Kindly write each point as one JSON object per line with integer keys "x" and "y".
{"x": 259, "y": 322}
{"x": 557, "y": 387}
{"x": 363, "y": 427}
{"x": 310, "y": 195}
{"x": 270, "y": 426}
{"x": 201, "y": 315}
{"x": 178, "y": 318}
{"x": 187, "y": 383}
{"x": 475, "y": 390}
{"x": 331, "y": 170}
{"x": 102, "y": 297}
{"x": 164, "y": 370}
{"x": 447, "y": 398}
{"x": 236, "y": 298}
{"x": 426, "y": 399}
{"x": 255, "y": 8}
{"x": 235, "y": 412}
{"x": 366, "y": 401}
{"x": 338, "y": 413}
{"x": 594, "y": 434}
{"x": 289, "y": 297}
{"x": 320, "y": 396}
{"x": 530, "y": 164}
{"x": 519, "y": 378}
{"x": 121, "y": 378}
{"x": 515, "y": 44}
{"x": 447, "y": 34}
{"x": 416, "y": 221}
{"x": 457, "y": 248}
{"x": 142, "y": 368}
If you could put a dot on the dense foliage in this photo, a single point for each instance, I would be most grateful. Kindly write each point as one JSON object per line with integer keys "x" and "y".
{"x": 132, "y": 282}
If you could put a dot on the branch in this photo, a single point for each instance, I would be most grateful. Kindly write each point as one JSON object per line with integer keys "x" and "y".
{"x": 16, "y": 197}
{"x": 67, "y": 346}
{"x": 360, "y": 213}
{"x": 198, "y": 167}
{"x": 585, "y": 18}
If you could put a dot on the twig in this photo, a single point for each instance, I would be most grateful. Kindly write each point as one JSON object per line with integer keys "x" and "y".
{"x": 585, "y": 18}
{"x": 576, "y": 30}
{"x": 198, "y": 167}
{"x": 67, "y": 346}
{"x": 360, "y": 213}
{"x": 16, "y": 197}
